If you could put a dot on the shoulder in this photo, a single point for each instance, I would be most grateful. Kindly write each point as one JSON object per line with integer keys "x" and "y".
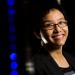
{"x": 40, "y": 55}
{"x": 38, "y": 64}
{"x": 41, "y": 60}
{"x": 38, "y": 58}
{"x": 70, "y": 57}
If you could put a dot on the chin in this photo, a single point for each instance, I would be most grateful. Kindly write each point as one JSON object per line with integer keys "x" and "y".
{"x": 59, "y": 43}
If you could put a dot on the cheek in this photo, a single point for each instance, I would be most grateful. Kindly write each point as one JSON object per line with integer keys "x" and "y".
{"x": 66, "y": 31}
{"x": 49, "y": 33}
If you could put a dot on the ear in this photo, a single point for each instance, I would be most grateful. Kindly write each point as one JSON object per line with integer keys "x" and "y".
{"x": 37, "y": 35}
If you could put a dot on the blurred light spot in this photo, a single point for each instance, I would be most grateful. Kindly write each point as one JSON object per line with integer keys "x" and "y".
{"x": 13, "y": 56}
{"x": 10, "y": 2}
{"x": 14, "y": 73}
{"x": 11, "y": 12}
{"x": 14, "y": 65}
{"x": 29, "y": 66}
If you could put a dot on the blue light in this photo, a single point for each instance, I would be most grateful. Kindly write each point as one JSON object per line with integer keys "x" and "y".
{"x": 14, "y": 65}
{"x": 14, "y": 73}
{"x": 11, "y": 11}
{"x": 10, "y": 2}
{"x": 12, "y": 46}
{"x": 13, "y": 56}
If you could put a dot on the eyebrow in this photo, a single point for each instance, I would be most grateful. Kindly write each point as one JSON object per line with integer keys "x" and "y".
{"x": 61, "y": 19}
{"x": 52, "y": 21}
{"x": 47, "y": 21}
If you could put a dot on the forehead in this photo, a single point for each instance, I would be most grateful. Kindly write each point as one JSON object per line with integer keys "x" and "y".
{"x": 53, "y": 15}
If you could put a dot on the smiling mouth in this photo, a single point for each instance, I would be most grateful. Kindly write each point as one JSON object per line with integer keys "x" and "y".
{"x": 58, "y": 36}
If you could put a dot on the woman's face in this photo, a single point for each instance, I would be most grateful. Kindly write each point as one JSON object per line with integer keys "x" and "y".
{"x": 54, "y": 27}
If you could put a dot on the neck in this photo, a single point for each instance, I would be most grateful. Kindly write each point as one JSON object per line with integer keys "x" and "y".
{"x": 57, "y": 53}
{"x": 59, "y": 58}
{"x": 56, "y": 50}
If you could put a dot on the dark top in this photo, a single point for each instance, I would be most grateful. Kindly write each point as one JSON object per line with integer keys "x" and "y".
{"x": 45, "y": 65}
{"x": 68, "y": 71}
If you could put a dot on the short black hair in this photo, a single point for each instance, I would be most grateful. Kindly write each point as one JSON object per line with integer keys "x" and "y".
{"x": 41, "y": 9}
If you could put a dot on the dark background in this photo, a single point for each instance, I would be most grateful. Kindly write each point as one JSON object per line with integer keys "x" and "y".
{"x": 26, "y": 43}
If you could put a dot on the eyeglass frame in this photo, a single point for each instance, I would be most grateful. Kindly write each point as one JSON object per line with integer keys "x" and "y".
{"x": 60, "y": 24}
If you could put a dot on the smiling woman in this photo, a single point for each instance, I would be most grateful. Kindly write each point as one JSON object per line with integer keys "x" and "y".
{"x": 53, "y": 31}
{"x": 57, "y": 31}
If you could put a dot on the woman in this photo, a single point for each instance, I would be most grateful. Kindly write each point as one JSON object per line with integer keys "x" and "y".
{"x": 53, "y": 31}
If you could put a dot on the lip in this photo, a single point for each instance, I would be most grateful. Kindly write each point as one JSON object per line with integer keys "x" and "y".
{"x": 60, "y": 36}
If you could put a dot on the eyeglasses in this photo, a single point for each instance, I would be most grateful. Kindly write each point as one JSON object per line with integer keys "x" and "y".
{"x": 48, "y": 25}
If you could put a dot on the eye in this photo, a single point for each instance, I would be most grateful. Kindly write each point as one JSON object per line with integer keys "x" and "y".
{"x": 48, "y": 23}
{"x": 62, "y": 22}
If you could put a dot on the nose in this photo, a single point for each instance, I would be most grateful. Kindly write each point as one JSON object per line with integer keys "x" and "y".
{"x": 57, "y": 29}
